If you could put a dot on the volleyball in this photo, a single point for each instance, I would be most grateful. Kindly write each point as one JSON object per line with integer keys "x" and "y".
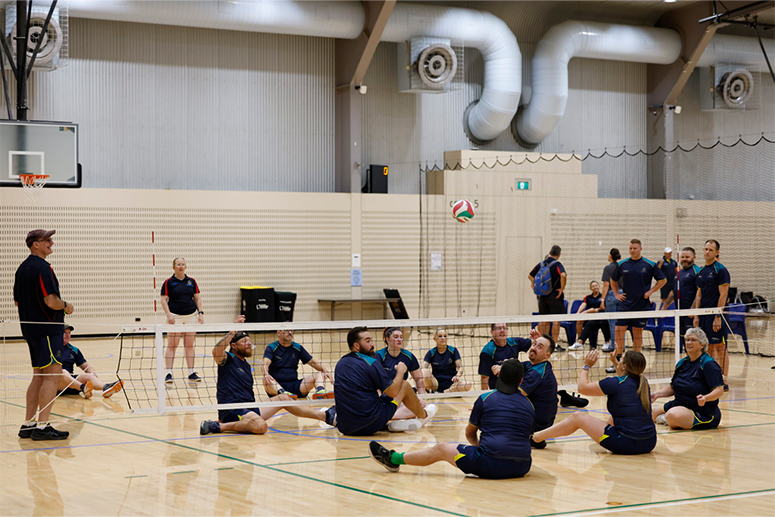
{"x": 462, "y": 211}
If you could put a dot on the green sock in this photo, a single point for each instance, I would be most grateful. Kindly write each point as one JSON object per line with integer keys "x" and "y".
{"x": 397, "y": 458}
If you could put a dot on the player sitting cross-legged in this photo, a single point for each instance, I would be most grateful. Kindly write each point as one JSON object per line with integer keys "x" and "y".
{"x": 235, "y": 386}
{"x": 280, "y": 365}
{"x": 82, "y": 384}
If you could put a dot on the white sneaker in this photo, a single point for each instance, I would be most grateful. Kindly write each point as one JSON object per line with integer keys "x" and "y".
{"x": 608, "y": 347}
{"x": 661, "y": 419}
{"x": 576, "y": 346}
{"x": 409, "y": 424}
{"x": 431, "y": 409}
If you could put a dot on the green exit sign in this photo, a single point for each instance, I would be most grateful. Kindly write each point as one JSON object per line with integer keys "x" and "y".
{"x": 523, "y": 184}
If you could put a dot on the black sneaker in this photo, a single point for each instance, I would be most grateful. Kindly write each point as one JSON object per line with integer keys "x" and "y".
{"x": 382, "y": 456}
{"x": 558, "y": 348}
{"x": 26, "y": 430}
{"x": 537, "y": 445}
{"x": 48, "y": 433}
{"x": 209, "y": 426}
{"x": 567, "y": 400}
{"x": 168, "y": 378}
{"x": 726, "y": 387}
{"x": 194, "y": 378}
{"x": 610, "y": 369}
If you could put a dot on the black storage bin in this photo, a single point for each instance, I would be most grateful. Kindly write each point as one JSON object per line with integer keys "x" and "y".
{"x": 258, "y": 304}
{"x": 286, "y": 302}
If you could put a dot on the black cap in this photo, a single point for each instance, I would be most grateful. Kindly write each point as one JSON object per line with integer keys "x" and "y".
{"x": 510, "y": 376}
{"x": 239, "y": 335}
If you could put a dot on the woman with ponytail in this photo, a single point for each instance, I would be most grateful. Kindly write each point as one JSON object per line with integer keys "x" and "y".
{"x": 630, "y": 429}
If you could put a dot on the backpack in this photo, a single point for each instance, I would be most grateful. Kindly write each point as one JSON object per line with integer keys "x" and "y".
{"x": 542, "y": 284}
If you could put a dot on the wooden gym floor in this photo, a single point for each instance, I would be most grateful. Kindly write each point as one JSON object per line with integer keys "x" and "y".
{"x": 117, "y": 463}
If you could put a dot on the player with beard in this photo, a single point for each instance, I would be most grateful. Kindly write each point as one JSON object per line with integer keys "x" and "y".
{"x": 235, "y": 386}
{"x": 368, "y": 399}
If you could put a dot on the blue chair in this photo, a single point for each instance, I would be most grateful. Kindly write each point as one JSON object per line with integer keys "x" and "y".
{"x": 736, "y": 322}
{"x": 570, "y": 326}
{"x": 658, "y": 326}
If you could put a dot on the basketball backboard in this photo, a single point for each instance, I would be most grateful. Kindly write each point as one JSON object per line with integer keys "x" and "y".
{"x": 39, "y": 148}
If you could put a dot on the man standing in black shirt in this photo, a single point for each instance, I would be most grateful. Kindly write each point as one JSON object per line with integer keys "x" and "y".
{"x": 42, "y": 313}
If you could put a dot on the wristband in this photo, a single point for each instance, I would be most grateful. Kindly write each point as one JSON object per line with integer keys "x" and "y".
{"x": 201, "y": 312}
{"x": 65, "y": 307}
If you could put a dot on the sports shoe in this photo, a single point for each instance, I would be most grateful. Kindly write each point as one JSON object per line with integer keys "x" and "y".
{"x": 661, "y": 419}
{"x": 567, "y": 400}
{"x": 291, "y": 395}
{"x": 209, "y": 426}
{"x": 194, "y": 378}
{"x": 409, "y": 424}
{"x": 86, "y": 390}
{"x": 576, "y": 346}
{"x": 431, "y": 410}
{"x": 330, "y": 417}
{"x": 608, "y": 348}
{"x": 322, "y": 394}
{"x": 48, "y": 433}
{"x": 112, "y": 388}
{"x": 610, "y": 369}
{"x": 168, "y": 378}
{"x": 382, "y": 456}
{"x": 558, "y": 348}
{"x": 726, "y": 387}
{"x": 25, "y": 431}
{"x": 537, "y": 445}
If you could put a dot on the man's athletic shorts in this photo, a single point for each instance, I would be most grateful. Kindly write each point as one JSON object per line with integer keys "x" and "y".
{"x": 444, "y": 384}
{"x": 550, "y": 305}
{"x": 187, "y": 319}
{"x": 46, "y": 350}
{"x": 639, "y": 323}
{"x": 665, "y": 291}
{"x": 706, "y": 324}
{"x": 620, "y": 444}
{"x": 701, "y": 420}
{"x": 234, "y": 415}
{"x": 292, "y": 387}
{"x": 472, "y": 460}
{"x": 388, "y": 409}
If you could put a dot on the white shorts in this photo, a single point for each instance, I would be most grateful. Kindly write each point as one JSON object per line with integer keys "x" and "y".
{"x": 189, "y": 319}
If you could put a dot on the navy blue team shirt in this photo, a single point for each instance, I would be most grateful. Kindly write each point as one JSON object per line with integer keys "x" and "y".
{"x": 443, "y": 365}
{"x": 389, "y": 362}
{"x": 506, "y": 423}
{"x": 709, "y": 279}
{"x": 285, "y": 360}
{"x": 357, "y": 377}
{"x": 687, "y": 284}
{"x": 631, "y": 419}
{"x": 668, "y": 269}
{"x": 235, "y": 381}
{"x": 493, "y": 354}
{"x": 540, "y": 386}
{"x": 634, "y": 278}
{"x": 71, "y": 356}
{"x": 35, "y": 279}
{"x": 592, "y": 301}
{"x": 181, "y": 294}
{"x": 698, "y": 377}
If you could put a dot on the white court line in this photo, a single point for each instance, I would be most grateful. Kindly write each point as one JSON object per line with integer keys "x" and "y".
{"x": 637, "y": 507}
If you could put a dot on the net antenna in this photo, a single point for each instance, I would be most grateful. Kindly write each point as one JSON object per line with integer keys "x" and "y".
{"x": 33, "y": 184}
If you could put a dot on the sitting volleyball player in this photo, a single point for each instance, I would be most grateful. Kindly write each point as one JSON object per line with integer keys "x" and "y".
{"x": 235, "y": 386}
{"x": 697, "y": 384}
{"x": 498, "y": 430}
{"x": 368, "y": 400}
{"x": 395, "y": 353}
{"x": 499, "y": 349}
{"x": 629, "y": 430}
{"x": 280, "y": 364}
{"x": 83, "y": 383}
{"x": 445, "y": 366}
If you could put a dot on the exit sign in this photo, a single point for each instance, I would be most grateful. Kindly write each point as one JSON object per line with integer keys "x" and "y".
{"x": 523, "y": 184}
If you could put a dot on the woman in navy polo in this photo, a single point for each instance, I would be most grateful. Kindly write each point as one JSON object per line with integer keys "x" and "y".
{"x": 443, "y": 366}
{"x": 697, "y": 385}
{"x": 630, "y": 429}
{"x": 182, "y": 303}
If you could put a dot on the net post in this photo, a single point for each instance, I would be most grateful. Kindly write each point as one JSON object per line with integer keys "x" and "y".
{"x": 161, "y": 391}
{"x": 677, "y": 345}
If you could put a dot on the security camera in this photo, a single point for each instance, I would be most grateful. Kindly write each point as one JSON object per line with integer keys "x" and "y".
{"x": 362, "y": 89}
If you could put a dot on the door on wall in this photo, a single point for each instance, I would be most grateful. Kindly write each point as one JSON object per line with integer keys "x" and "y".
{"x": 523, "y": 253}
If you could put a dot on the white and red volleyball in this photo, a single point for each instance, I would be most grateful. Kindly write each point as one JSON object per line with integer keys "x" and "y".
{"x": 462, "y": 211}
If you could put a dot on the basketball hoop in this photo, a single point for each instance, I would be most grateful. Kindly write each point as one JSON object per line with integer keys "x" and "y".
{"x": 32, "y": 184}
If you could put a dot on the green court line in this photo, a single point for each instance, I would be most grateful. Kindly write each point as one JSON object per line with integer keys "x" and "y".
{"x": 240, "y": 460}
{"x": 184, "y": 472}
{"x": 316, "y": 461}
{"x": 225, "y": 468}
{"x": 636, "y": 505}
{"x": 749, "y": 412}
{"x": 132, "y": 477}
